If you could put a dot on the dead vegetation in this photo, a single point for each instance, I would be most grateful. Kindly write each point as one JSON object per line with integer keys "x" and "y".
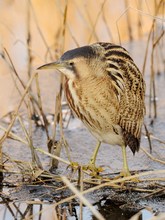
{"x": 79, "y": 182}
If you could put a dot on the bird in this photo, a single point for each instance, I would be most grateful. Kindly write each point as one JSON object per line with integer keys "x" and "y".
{"x": 106, "y": 90}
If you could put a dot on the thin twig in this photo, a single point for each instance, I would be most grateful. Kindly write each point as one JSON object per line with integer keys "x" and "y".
{"x": 148, "y": 137}
{"x": 41, "y": 108}
{"x": 17, "y": 109}
{"x": 151, "y": 157}
{"x": 39, "y": 30}
{"x": 14, "y": 136}
{"x": 95, "y": 23}
{"x": 35, "y": 158}
{"x": 53, "y": 156}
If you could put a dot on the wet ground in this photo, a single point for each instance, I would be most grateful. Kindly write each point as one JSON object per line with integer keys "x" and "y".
{"x": 22, "y": 196}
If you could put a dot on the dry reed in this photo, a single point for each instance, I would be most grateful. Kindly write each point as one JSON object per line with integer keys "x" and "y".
{"x": 34, "y": 171}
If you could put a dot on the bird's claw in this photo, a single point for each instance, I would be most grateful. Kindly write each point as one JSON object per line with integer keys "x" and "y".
{"x": 126, "y": 173}
{"x": 73, "y": 165}
{"x": 93, "y": 169}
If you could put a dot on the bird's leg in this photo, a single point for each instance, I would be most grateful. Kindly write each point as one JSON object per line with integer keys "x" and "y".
{"x": 91, "y": 166}
{"x": 125, "y": 172}
{"x": 94, "y": 155}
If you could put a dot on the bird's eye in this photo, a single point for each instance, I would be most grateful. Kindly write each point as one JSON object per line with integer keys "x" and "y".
{"x": 71, "y": 63}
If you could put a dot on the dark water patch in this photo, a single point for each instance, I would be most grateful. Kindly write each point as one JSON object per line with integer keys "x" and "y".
{"x": 43, "y": 210}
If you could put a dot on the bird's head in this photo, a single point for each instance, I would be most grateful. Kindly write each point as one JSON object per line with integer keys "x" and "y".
{"x": 80, "y": 63}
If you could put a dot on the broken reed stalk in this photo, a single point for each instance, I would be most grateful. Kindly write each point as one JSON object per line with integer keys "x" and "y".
{"x": 41, "y": 108}
{"x": 80, "y": 184}
{"x": 54, "y": 146}
{"x": 152, "y": 95}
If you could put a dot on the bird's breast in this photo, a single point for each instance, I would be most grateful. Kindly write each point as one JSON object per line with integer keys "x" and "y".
{"x": 97, "y": 110}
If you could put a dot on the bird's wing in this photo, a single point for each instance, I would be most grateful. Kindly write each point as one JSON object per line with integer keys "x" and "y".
{"x": 132, "y": 107}
{"x": 129, "y": 86}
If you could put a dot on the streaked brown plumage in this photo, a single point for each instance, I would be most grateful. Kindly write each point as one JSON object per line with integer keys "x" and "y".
{"x": 105, "y": 90}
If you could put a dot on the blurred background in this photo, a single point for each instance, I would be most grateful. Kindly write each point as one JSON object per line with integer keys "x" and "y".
{"x": 33, "y": 32}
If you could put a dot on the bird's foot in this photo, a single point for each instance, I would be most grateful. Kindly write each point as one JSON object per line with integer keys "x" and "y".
{"x": 94, "y": 171}
{"x": 126, "y": 173}
{"x": 74, "y": 165}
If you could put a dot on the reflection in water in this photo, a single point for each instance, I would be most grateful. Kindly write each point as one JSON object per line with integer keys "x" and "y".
{"x": 146, "y": 214}
{"x": 23, "y": 210}
{"x": 40, "y": 210}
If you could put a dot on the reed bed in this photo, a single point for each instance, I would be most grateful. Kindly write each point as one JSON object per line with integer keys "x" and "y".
{"x": 79, "y": 182}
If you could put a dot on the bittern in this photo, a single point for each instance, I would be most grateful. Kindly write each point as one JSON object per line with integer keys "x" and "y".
{"x": 105, "y": 90}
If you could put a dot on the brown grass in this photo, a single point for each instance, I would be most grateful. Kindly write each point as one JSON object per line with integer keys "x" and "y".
{"x": 33, "y": 171}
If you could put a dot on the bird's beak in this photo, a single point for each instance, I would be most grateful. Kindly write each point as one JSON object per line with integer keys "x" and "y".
{"x": 61, "y": 66}
{"x": 55, "y": 65}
